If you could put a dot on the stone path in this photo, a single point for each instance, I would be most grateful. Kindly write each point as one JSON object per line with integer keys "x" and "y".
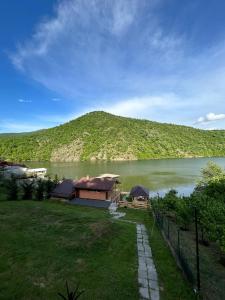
{"x": 113, "y": 211}
{"x": 147, "y": 275}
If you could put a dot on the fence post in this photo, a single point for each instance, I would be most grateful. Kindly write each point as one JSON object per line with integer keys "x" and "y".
{"x": 168, "y": 228}
{"x": 178, "y": 241}
{"x": 197, "y": 252}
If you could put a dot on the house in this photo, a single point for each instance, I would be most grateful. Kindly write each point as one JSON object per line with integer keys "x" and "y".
{"x": 65, "y": 189}
{"x": 97, "y": 188}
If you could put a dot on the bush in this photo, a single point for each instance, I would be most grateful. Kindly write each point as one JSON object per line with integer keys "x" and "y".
{"x": 11, "y": 188}
{"x": 39, "y": 193}
{"x": 27, "y": 190}
{"x": 49, "y": 186}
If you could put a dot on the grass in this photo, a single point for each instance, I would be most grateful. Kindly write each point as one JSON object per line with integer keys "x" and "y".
{"x": 44, "y": 244}
{"x": 212, "y": 272}
{"x": 173, "y": 286}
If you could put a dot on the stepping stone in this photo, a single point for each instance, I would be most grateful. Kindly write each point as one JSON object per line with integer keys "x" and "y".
{"x": 142, "y": 274}
{"x": 143, "y": 282}
{"x": 153, "y": 276}
{"x": 154, "y": 294}
{"x": 149, "y": 261}
{"x": 144, "y": 293}
{"x": 147, "y": 275}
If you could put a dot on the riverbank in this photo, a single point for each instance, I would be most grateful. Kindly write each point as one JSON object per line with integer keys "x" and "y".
{"x": 156, "y": 175}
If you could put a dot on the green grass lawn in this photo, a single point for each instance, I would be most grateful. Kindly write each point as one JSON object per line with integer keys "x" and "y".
{"x": 43, "y": 244}
{"x": 173, "y": 286}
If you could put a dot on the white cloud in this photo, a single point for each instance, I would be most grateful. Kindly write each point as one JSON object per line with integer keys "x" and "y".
{"x": 210, "y": 117}
{"x": 24, "y": 101}
{"x": 139, "y": 107}
{"x": 121, "y": 55}
{"x": 94, "y": 46}
{"x": 142, "y": 106}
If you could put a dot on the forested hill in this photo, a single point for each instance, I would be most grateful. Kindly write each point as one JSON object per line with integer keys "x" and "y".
{"x": 102, "y": 136}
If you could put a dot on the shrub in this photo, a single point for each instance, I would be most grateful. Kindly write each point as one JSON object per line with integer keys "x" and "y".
{"x": 11, "y": 188}
{"x": 27, "y": 190}
{"x": 39, "y": 193}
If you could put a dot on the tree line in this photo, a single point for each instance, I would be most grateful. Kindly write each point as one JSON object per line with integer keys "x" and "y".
{"x": 208, "y": 199}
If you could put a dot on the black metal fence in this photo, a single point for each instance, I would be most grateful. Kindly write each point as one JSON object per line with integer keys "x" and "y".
{"x": 205, "y": 273}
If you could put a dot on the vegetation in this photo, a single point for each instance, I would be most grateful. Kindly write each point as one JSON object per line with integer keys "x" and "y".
{"x": 172, "y": 284}
{"x": 102, "y": 136}
{"x": 71, "y": 295}
{"x": 43, "y": 244}
{"x": 11, "y": 187}
{"x": 208, "y": 201}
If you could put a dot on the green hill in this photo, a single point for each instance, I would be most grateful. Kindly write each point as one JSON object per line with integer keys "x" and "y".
{"x": 102, "y": 136}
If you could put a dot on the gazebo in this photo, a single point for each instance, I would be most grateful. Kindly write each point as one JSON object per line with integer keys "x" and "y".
{"x": 139, "y": 191}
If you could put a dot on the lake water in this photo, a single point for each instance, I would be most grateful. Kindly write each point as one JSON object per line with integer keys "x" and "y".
{"x": 158, "y": 175}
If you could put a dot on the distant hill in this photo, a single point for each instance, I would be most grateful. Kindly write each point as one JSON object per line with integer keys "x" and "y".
{"x": 103, "y": 136}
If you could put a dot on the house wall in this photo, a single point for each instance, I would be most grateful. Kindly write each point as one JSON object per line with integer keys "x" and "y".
{"x": 85, "y": 194}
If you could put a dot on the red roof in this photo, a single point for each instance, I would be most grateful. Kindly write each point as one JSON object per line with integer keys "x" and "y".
{"x": 99, "y": 184}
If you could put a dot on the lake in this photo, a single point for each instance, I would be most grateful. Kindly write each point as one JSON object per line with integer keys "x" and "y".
{"x": 158, "y": 175}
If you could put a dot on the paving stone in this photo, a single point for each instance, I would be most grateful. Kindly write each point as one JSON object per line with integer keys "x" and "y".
{"x": 141, "y": 260}
{"x": 153, "y": 285}
{"x": 147, "y": 275}
{"x": 149, "y": 261}
{"x": 147, "y": 248}
{"x": 151, "y": 269}
{"x": 152, "y": 275}
{"x": 142, "y": 267}
{"x": 143, "y": 282}
{"x": 154, "y": 294}
{"x": 144, "y": 293}
{"x": 141, "y": 252}
{"x": 142, "y": 274}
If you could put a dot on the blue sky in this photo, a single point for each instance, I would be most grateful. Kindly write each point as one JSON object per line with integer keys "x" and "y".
{"x": 162, "y": 60}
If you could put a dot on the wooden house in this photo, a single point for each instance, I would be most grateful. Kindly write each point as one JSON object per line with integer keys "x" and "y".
{"x": 97, "y": 188}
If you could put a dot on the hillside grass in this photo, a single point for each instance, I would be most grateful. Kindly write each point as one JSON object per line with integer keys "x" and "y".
{"x": 103, "y": 136}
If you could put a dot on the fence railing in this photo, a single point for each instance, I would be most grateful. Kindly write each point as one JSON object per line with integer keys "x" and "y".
{"x": 204, "y": 273}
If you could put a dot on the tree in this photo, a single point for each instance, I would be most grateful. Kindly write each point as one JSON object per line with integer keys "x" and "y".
{"x": 170, "y": 200}
{"x": 27, "y": 190}
{"x": 211, "y": 173}
{"x": 183, "y": 213}
{"x": 49, "y": 186}
{"x": 11, "y": 188}
{"x": 56, "y": 180}
{"x": 39, "y": 193}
